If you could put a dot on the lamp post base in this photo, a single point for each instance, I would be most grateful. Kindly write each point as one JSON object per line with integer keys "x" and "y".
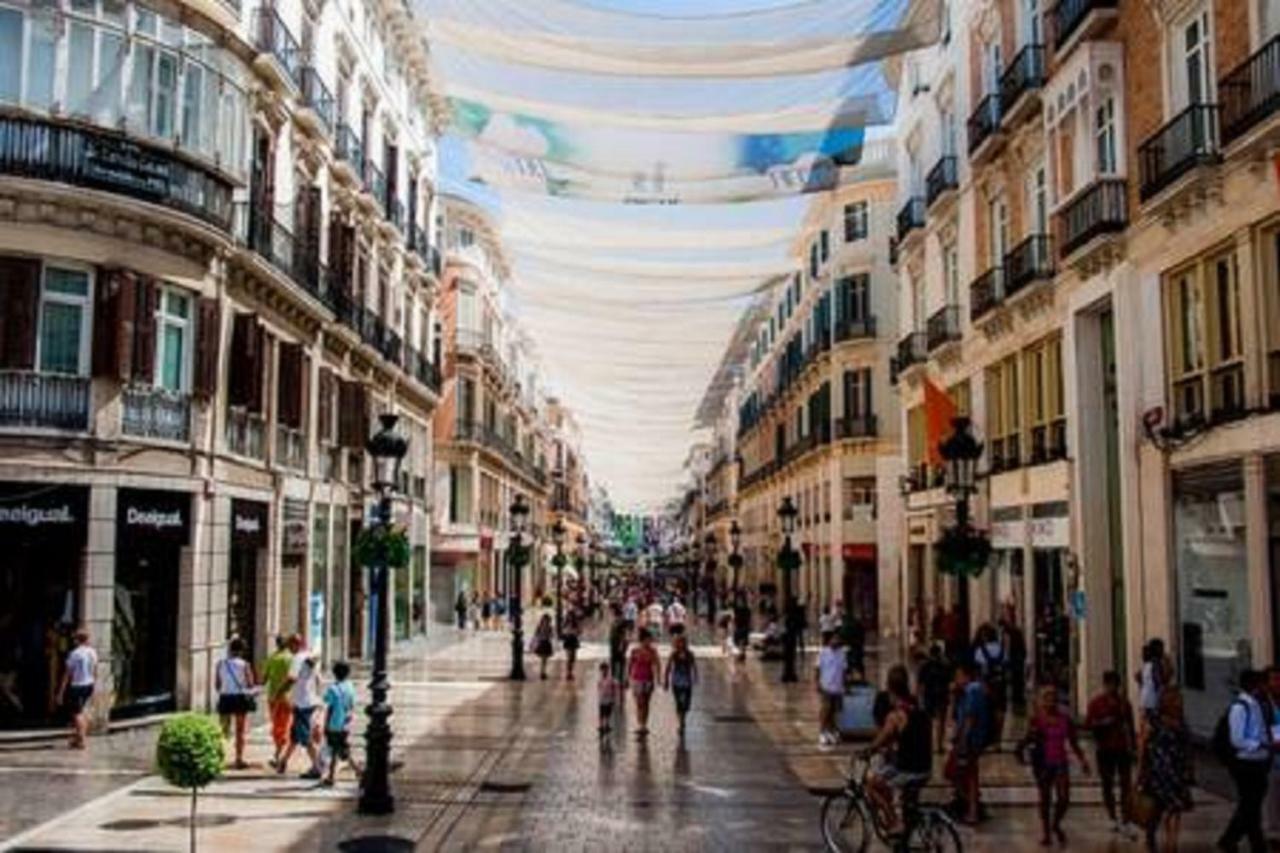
{"x": 517, "y": 655}
{"x": 789, "y": 658}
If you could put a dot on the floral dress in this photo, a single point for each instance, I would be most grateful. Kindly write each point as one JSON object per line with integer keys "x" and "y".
{"x": 1166, "y": 768}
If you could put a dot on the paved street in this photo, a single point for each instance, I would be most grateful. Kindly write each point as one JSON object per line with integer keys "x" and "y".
{"x": 485, "y": 764}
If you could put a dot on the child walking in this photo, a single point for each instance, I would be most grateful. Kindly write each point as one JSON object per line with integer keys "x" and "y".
{"x": 607, "y": 690}
{"x": 1049, "y": 733}
{"x": 340, "y": 706}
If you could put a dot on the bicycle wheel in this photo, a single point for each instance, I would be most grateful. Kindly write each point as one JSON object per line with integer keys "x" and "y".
{"x": 844, "y": 824}
{"x": 933, "y": 832}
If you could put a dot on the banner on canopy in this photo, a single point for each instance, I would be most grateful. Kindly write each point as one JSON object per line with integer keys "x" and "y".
{"x": 532, "y": 154}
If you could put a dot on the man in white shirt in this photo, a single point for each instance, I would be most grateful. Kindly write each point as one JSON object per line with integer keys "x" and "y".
{"x": 1251, "y": 740}
{"x": 830, "y": 682}
{"x": 675, "y": 617}
{"x": 77, "y": 686}
{"x": 305, "y": 698}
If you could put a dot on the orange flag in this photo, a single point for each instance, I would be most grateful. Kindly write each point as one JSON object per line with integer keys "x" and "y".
{"x": 939, "y": 410}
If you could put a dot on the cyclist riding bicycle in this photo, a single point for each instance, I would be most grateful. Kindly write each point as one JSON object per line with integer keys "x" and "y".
{"x": 905, "y": 750}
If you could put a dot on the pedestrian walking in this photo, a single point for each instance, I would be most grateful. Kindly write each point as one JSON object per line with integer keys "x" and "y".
{"x": 642, "y": 673}
{"x": 969, "y": 739}
{"x": 1015, "y": 649}
{"x": 1166, "y": 775}
{"x": 680, "y": 676}
{"x": 235, "y": 682}
{"x": 1272, "y": 708}
{"x": 1110, "y": 719}
{"x": 277, "y": 681}
{"x": 1156, "y": 672}
{"x": 340, "y": 707}
{"x": 989, "y": 656}
{"x": 460, "y": 609}
{"x": 305, "y": 698}
{"x": 618, "y": 640}
{"x": 1249, "y": 761}
{"x": 473, "y": 611}
{"x": 1050, "y": 733}
{"x": 829, "y": 679}
{"x": 607, "y": 695}
{"x": 543, "y": 636}
{"x": 76, "y": 689}
{"x": 569, "y": 639}
{"x": 486, "y": 612}
{"x": 741, "y": 625}
{"x": 934, "y": 682}
{"x": 676, "y": 615}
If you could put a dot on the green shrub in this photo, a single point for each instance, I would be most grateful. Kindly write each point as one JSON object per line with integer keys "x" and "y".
{"x": 189, "y": 754}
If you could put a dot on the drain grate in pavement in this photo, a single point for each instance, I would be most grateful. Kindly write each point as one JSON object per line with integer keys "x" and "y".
{"x": 505, "y": 787}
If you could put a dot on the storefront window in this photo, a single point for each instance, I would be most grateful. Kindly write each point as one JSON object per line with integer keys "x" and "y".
{"x": 1212, "y": 583}
{"x": 341, "y": 572}
{"x": 319, "y": 573}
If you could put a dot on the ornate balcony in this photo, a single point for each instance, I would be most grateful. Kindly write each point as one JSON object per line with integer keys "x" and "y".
{"x": 912, "y": 350}
{"x": 278, "y": 51}
{"x": 1074, "y": 21}
{"x": 1021, "y": 80}
{"x": 1099, "y": 210}
{"x": 943, "y": 327}
{"x": 911, "y": 217}
{"x": 1188, "y": 141}
{"x": 315, "y": 101}
{"x": 857, "y": 426}
{"x": 44, "y": 400}
{"x": 246, "y": 433}
{"x": 156, "y": 413}
{"x": 375, "y": 183}
{"x": 111, "y": 162}
{"x": 1030, "y": 261}
{"x": 986, "y": 292}
{"x": 291, "y": 448}
{"x": 349, "y": 151}
{"x": 854, "y": 329}
{"x": 1250, "y": 93}
{"x": 984, "y": 129}
{"x": 942, "y": 180}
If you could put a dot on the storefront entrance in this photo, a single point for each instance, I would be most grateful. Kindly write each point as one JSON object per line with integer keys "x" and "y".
{"x": 152, "y": 529}
{"x": 861, "y": 590}
{"x": 248, "y": 544}
{"x": 42, "y": 535}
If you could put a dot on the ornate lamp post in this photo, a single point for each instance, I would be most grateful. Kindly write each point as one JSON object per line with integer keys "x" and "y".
{"x": 388, "y": 448}
{"x": 709, "y": 551}
{"x": 518, "y": 557}
{"x": 963, "y": 551}
{"x": 557, "y": 536}
{"x": 735, "y": 557}
{"x": 788, "y": 562}
{"x": 580, "y": 559}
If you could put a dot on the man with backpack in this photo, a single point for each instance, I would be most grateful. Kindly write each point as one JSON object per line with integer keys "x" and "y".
{"x": 989, "y": 657}
{"x": 905, "y": 741}
{"x": 972, "y": 736}
{"x": 1242, "y": 741}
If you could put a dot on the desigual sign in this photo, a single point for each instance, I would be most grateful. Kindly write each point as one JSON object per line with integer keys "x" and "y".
{"x": 154, "y": 514}
{"x": 153, "y": 518}
{"x": 249, "y": 523}
{"x": 36, "y": 516}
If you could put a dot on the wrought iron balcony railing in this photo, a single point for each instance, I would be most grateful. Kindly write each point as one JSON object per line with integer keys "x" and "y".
{"x": 910, "y": 217}
{"x": 315, "y": 96}
{"x": 857, "y": 426}
{"x": 156, "y": 413}
{"x": 855, "y": 328}
{"x": 1024, "y": 74}
{"x": 942, "y": 178}
{"x": 45, "y": 400}
{"x": 1190, "y": 139}
{"x": 348, "y": 148}
{"x": 1029, "y": 261}
{"x": 943, "y": 326}
{"x": 1101, "y": 209}
{"x": 1250, "y": 92}
{"x": 986, "y": 292}
{"x": 984, "y": 122}
{"x": 273, "y": 37}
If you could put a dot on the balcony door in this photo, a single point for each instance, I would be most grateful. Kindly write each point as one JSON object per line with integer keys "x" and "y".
{"x": 1269, "y": 20}
{"x": 1032, "y": 23}
{"x": 998, "y": 233}
{"x": 1038, "y": 199}
{"x": 1193, "y": 78}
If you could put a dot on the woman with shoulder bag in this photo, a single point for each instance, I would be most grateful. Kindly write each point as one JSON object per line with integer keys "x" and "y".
{"x": 236, "y": 687}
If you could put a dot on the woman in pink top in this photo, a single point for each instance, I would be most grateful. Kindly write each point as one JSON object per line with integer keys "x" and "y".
{"x": 1049, "y": 733}
{"x": 642, "y": 672}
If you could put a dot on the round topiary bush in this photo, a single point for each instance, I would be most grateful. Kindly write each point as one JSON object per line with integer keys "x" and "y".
{"x": 189, "y": 754}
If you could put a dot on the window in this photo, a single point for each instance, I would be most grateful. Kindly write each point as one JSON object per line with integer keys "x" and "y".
{"x": 1204, "y": 353}
{"x": 1032, "y": 23}
{"x": 857, "y": 393}
{"x": 859, "y": 498}
{"x": 998, "y": 235}
{"x": 995, "y": 67}
{"x": 63, "y": 339}
{"x": 1038, "y": 199}
{"x": 173, "y": 340}
{"x": 961, "y": 398}
{"x": 1104, "y": 132}
{"x": 855, "y": 221}
{"x": 824, "y": 240}
{"x": 947, "y": 123}
{"x": 1004, "y": 414}
{"x": 1193, "y": 70}
{"x": 951, "y": 273}
{"x": 917, "y": 304}
{"x": 460, "y": 494}
{"x": 1045, "y": 417}
{"x": 1270, "y": 276}
{"x": 813, "y": 260}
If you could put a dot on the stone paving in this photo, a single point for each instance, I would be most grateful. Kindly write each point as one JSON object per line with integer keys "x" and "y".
{"x": 486, "y": 764}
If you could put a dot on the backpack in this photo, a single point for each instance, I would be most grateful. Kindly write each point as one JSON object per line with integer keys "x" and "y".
{"x": 915, "y": 743}
{"x": 1221, "y": 744}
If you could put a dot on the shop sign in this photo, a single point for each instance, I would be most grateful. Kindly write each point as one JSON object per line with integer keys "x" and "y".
{"x": 166, "y": 515}
{"x": 1049, "y": 532}
{"x": 858, "y": 551}
{"x": 294, "y": 528}
{"x": 35, "y": 507}
{"x": 1009, "y": 534}
{"x": 249, "y": 524}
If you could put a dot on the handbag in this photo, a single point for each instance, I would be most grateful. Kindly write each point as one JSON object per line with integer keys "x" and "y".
{"x": 1144, "y": 809}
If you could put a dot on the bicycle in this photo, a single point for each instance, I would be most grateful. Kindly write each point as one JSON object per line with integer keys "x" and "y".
{"x": 849, "y": 817}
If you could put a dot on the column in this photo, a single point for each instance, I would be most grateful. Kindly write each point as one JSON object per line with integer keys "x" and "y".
{"x": 1259, "y": 563}
{"x": 98, "y": 594}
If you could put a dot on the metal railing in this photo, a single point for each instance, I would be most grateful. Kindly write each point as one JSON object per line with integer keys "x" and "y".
{"x": 375, "y": 181}
{"x": 155, "y": 413}
{"x": 395, "y": 213}
{"x": 857, "y": 426}
{"x": 421, "y": 368}
{"x": 1068, "y": 15}
{"x": 1250, "y": 92}
{"x": 1226, "y": 392}
{"x": 942, "y": 178}
{"x": 910, "y": 217}
{"x": 348, "y": 148}
{"x": 270, "y": 239}
{"x": 943, "y": 326}
{"x": 986, "y": 292}
{"x": 315, "y": 96}
{"x": 1188, "y": 140}
{"x": 246, "y": 433}
{"x": 912, "y": 349}
{"x": 984, "y": 122}
{"x": 855, "y": 328}
{"x": 273, "y": 37}
{"x": 1101, "y": 209}
{"x": 109, "y": 161}
{"x": 291, "y": 448}
{"x": 1024, "y": 74}
{"x": 49, "y": 400}
{"x": 1031, "y": 260}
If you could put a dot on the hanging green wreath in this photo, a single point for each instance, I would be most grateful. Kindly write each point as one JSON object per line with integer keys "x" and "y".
{"x": 381, "y": 544}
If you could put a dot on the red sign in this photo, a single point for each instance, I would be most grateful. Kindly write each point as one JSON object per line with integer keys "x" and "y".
{"x": 486, "y": 541}
{"x": 858, "y": 551}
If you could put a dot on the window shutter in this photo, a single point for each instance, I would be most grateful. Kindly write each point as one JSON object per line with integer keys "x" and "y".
{"x": 113, "y": 324}
{"x": 208, "y": 347}
{"x": 20, "y": 296}
{"x": 146, "y": 303}
{"x": 324, "y": 405}
{"x": 335, "y": 251}
{"x": 247, "y": 345}
{"x": 259, "y": 347}
{"x": 304, "y": 388}
{"x": 289, "y": 388}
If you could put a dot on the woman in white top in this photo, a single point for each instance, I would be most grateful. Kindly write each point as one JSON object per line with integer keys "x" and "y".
{"x": 77, "y": 686}
{"x": 235, "y": 681}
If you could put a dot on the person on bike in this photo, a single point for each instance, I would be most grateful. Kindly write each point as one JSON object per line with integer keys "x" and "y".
{"x": 904, "y": 744}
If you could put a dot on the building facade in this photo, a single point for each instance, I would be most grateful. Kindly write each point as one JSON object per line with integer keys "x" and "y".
{"x": 1089, "y": 271}
{"x": 216, "y": 265}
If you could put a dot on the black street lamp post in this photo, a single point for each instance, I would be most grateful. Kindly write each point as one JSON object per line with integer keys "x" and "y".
{"x": 388, "y": 448}
{"x": 735, "y": 557}
{"x": 963, "y": 551}
{"x": 580, "y": 560}
{"x": 557, "y": 536}
{"x": 710, "y": 583}
{"x": 518, "y": 559}
{"x": 788, "y": 562}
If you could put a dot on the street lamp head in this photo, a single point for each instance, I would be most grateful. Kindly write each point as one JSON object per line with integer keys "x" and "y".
{"x": 558, "y": 532}
{"x": 519, "y": 515}
{"x": 735, "y": 534}
{"x": 961, "y": 451}
{"x": 710, "y": 541}
{"x": 388, "y": 449}
{"x": 787, "y": 513}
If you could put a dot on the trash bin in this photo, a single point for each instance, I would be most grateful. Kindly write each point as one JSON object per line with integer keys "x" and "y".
{"x": 857, "y": 719}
